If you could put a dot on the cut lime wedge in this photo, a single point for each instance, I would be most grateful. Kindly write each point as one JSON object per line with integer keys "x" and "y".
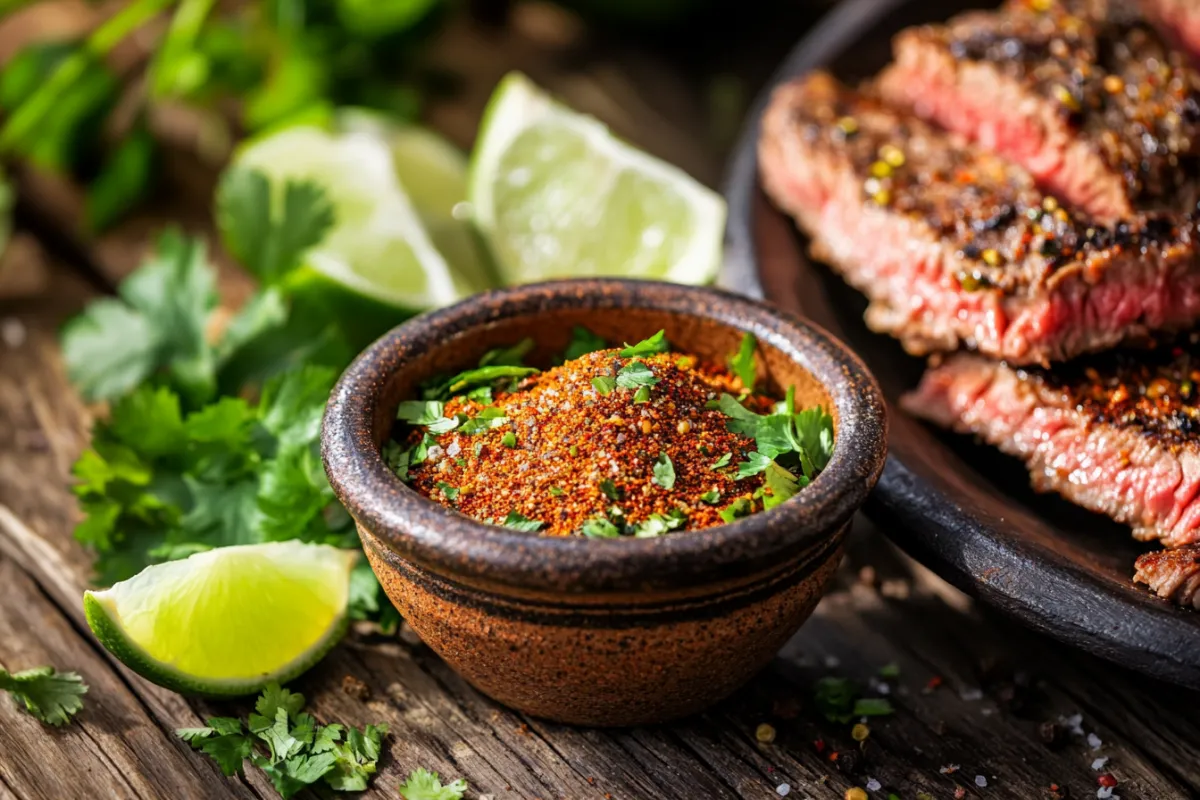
{"x": 556, "y": 194}
{"x": 378, "y": 264}
{"x": 433, "y": 173}
{"x": 228, "y": 621}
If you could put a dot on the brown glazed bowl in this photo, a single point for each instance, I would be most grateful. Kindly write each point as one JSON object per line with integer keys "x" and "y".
{"x": 610, "y": 631}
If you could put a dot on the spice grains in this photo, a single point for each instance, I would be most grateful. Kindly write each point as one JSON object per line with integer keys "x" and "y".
{"x": 600, "y": 445}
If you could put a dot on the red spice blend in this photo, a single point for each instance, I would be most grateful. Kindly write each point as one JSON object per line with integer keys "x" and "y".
{"x": 579, "y": 452}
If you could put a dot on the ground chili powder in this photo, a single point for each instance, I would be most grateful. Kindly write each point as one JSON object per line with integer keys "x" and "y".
{"x": 579, "y": 452}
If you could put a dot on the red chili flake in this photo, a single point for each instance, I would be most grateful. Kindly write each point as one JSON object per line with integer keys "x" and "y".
{"x": 934, "y": 683}
{"x": 819, "y": 744}
{"x": 833, "y": 756}
{"x": 1107, "y": 780}
{"x": 959, "y": 793}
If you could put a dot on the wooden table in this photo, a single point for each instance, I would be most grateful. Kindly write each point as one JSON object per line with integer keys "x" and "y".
{"x": 977, "y": 700}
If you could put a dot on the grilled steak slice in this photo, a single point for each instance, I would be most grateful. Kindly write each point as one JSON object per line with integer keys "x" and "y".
{"x": 954, "y": 245}
{"x": 1172, "y": 574}
{"x": 1118, "y": 433}
{"x": 1085, "y": 95}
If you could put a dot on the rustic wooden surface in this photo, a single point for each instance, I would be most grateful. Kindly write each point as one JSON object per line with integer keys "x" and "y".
{"x": 999, "y": 685}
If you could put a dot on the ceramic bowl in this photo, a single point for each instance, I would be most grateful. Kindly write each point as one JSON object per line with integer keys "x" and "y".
{"x": 618, "y": 631}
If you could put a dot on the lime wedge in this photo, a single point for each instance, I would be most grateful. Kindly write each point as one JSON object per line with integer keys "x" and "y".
{"x": 556, "y": 194}
{"x": 433, "y": 173}
{"x": 377, "y": 265}
{"x": 227, "y": 621}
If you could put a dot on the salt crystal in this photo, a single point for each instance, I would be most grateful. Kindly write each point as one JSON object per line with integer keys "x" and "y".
{"x": 1094, "y": 741}
{"x": 832, "y": 661}
{"x": 1099, "y": 763}
{"x": 949, "y": 769}
{"x": 873, "y": 785}
{"x": 453, "y": 449}
{"x": 783, "y": 789}
{"x": 971, "y": 695}
{"x": 434, "y": 452}
{"x": 987, "y": 712}
{"x": 1105, "y": 793}
{"x": 1073, "y": 723}
{"x": 980, "y": 781}
{"x": 12, "y": 331}
{"x": 883, "y": 689}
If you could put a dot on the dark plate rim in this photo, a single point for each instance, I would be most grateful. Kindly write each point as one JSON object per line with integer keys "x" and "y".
{"x": 922, "y": 513}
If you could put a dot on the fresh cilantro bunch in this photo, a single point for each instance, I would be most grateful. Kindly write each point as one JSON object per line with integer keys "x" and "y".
{"x": 49, "y": 695}
{"x": 290, "y": 747}
{"x": 161, "y": 325}
{"x": 158, "y": 484}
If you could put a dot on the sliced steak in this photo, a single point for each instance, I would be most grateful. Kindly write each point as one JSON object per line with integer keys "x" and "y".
{"x": 956, "y": 246}
{"x": 1172, "y": 574}
{"x": 1118, "y": 433}
{"x": 1084, "y": 94}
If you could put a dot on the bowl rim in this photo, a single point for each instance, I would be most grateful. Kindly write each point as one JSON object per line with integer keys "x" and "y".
{"x": 452, "y": 545}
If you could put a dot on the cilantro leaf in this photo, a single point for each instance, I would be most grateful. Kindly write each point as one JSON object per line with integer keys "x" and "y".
{"x": 600, "y": 528}
{"x": 723, "y": 461}
{"x": 755, "y": 463}
{"x": 635, "y": 374}
{"x": 782, "y": 485}
{"x": 610, "y": 489}
{"x": 604, "y": 384}
{"x": 448, "y": 490}
{"x": 642, "y": 395}
{"x": 872, "y": 707}
{"x": 647, "y": 347}
{"x": 420, "y": 412}
{"x": 583, "y": 341}
{"x": 229, "y": 750}
{"x": 742, "y": 507}
{"x": 741, "y": 419}
{"x": 157, "y": 324}
{"x": 658, "y": 524}
{"x": 266, "y": 231}
{"x": 521, "y": 523}
{"x": 711, "y": 497}
{"x": 508, "y": 356}
{"x": 293, "y": 404}
{"x": 425, "y": 785}
{"x": 47, "y": 694}
{"x": 814, "y": 433}
{"x": 835, "y": 698}
{"x": 741, "y": 363}
{"x": 664, "y": 471}
{"x": 355, "y": 760}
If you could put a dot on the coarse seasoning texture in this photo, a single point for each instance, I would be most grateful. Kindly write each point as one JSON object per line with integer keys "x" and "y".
{"x": 584, "y": 444}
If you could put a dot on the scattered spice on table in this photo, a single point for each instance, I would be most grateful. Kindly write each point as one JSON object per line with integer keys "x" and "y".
{"x": 615, "y": 442}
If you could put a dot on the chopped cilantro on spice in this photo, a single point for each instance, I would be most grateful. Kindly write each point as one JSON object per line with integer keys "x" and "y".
{"x": 741, "y": 363}
{"x": 521, "y": 522}
{"x": 448, "y": 490}
{"x": 664, "y": 471}
{"x": 647, "y": 347}
{"x": 604, "y": 384}
{"x": 582, "y": 342}
{"x": 599, "y": 446}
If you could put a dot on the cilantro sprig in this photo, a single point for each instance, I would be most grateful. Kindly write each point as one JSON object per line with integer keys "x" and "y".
{"x": 741, "y": 363}
{"x": 290, "y": 747}
{"x": 647, "y": 347}
{"x": 425, "y": 785}
{"x": 47, "y": 694}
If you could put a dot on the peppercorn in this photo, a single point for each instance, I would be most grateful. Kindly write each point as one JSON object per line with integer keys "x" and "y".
{"x": 860, "y": 732}
{"x": 764, "y": 733}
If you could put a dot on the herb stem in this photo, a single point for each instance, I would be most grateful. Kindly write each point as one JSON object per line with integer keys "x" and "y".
{"x": 30, "y": 114}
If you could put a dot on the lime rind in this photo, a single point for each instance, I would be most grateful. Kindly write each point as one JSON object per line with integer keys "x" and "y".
{"x": 292, "y": 582}
{"x": 518, "y": 107}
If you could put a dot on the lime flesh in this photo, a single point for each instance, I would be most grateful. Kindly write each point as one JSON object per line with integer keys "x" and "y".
{"x": 556, "y": 194}
{"x": 228, "y": 621}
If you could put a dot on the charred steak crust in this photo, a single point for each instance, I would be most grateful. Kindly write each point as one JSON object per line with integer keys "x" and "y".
{"x": 955, "y": 245}
{"x": 1172, "y": 574}
{"x": 1115, "y": 433}
{"x": 1083, "y": 93}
